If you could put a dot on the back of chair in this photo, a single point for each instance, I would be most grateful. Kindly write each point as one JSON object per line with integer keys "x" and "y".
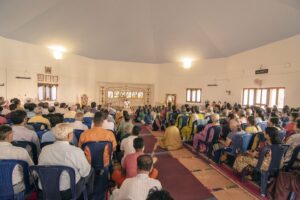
{"x": 39, "y": 128}
{"x": 45, "y": 144}
{"x": 263, "y": 125}
{"x": 6, "y": 171}
{"x": 183, "y": 120}
{"x": 69, "y": 120}
{"x": 88, "y": 121}
{"x": 25, "y": 145}
{"x": 293, "y": 158}
{"x": 49, "y": 177}
{"x": 246, "y": 141}
{"x": 216, "y": 134}
{"x": 97, "y": 152}
{"x": 244, "y": 126}
{"x": 77, "y": 133}
{"x": 282, "y": 134}
{"x": 237, "y": 143}
{"x": 277, "y": 154}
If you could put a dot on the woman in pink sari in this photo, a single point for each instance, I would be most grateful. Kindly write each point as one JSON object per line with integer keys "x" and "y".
{"x": 201, "y": 137}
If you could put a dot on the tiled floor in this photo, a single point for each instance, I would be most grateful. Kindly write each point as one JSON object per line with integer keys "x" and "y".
{"x": 222, "y": 188}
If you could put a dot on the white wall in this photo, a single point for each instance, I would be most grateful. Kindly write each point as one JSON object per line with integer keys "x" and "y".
{"x": 282, "y": 58}
{"x": 79, "y": 75}
{"x": 173, "y": 79}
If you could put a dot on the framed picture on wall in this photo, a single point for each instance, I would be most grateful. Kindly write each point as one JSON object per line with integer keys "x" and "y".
{"x": 40, "y": 77}
{"x": 48, "y": 78}
{"x": 48, "y": 70}
{"x": 54, "y": 79}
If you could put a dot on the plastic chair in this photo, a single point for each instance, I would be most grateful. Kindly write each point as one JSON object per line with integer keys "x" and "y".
{"x": 77, "y": 133}
{"x": 88, "y": 121}
{"x": 282, "y": 134}
{"x": 244, "y": 126}
{"x": 215, "y": 139}
{"x": 277, "y": 154}
{"x": 293, "y": 159}
{"x": 102, "y": 172}
{"x": 263, "y": 125}
{"x": 39, "y": 128}
{"x": 97, "y": 151}
{"x": 49, "y": 177}
{"x": 69, "y": 120}
{"x": 45, "y": 144}
{"x": 6, "y": 185}
{"x": 32, "y": 147}
{"x": 183, "y": 121}
{"x": 246, "y": 141}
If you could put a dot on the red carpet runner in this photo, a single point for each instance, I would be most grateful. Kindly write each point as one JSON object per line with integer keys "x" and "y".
{"x": 173, "y": 176}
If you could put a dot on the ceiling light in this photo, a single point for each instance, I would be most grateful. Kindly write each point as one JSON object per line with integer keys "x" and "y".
{"x": 187, "y": 63}
{"x": 57, "y": 51}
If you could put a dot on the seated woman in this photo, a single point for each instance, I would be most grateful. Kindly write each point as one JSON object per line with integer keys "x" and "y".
{"x": 201, "y": 137}
{"x": 187, "y": 130}
{"x": 290, "y": 127}
{"x": 171, "y": 139}
{"x": 251, "y": 126}
{"x": 250, "y": 159}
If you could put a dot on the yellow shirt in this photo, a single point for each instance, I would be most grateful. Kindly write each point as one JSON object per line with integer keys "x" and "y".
{"x": 171, "y": 139}
{"x": 253, "y": 129}
{"x": 40, "y": 119}
{"x": 70, "y": 115}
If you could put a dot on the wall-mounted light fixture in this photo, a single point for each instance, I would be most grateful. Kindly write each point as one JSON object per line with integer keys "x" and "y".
{"x": 57, "y": 51}
{"x": 187, "y": 63}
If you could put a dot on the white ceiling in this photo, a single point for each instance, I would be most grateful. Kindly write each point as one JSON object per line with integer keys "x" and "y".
{"x": 153, "y": 31}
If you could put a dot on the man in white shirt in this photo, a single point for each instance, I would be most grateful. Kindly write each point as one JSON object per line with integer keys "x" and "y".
{"x": 78, "y": 125}
{"x": 108, "y": 123}
{"x": 127, "y": 143}
{"x": 8, "y": 151}
{"x": 20, "y": 132}
{"x": 62, "y": 153}
{"x": 137, "y": 188}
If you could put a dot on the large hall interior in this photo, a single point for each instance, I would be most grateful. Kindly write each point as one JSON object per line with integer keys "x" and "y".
{"x": 149, "y": 99}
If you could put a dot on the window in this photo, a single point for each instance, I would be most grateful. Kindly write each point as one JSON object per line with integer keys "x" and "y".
{"x": 47, "y": 92}
{"x": 264, "y": 96}
{"x": 125, "y": 94}
{"x": 193, "y": 95}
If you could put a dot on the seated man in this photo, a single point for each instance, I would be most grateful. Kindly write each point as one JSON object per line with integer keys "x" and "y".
{"x": 78, "y": 125}
{"x": 62, "y": 153}
{"x": 97, "y": 133}
{"x": 20, "y": 132}
{"x": 171, "y": 139}
{"x": 108, "y": 122}
{"x": 71, "y": 114}
{"x": 139, "y": 186}
{"x": 8, "y": 151}
{"x": 127, "y": 143}
{"x": 49, "y": 135}
{"x": 38, "y": 118}
{"x": 129, "y": 165}
{"x": 30, "y": 112}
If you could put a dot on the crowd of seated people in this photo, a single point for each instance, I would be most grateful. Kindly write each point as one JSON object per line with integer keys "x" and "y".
{"x": 241, "y": 137}
{"x": 58, "y": 145}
